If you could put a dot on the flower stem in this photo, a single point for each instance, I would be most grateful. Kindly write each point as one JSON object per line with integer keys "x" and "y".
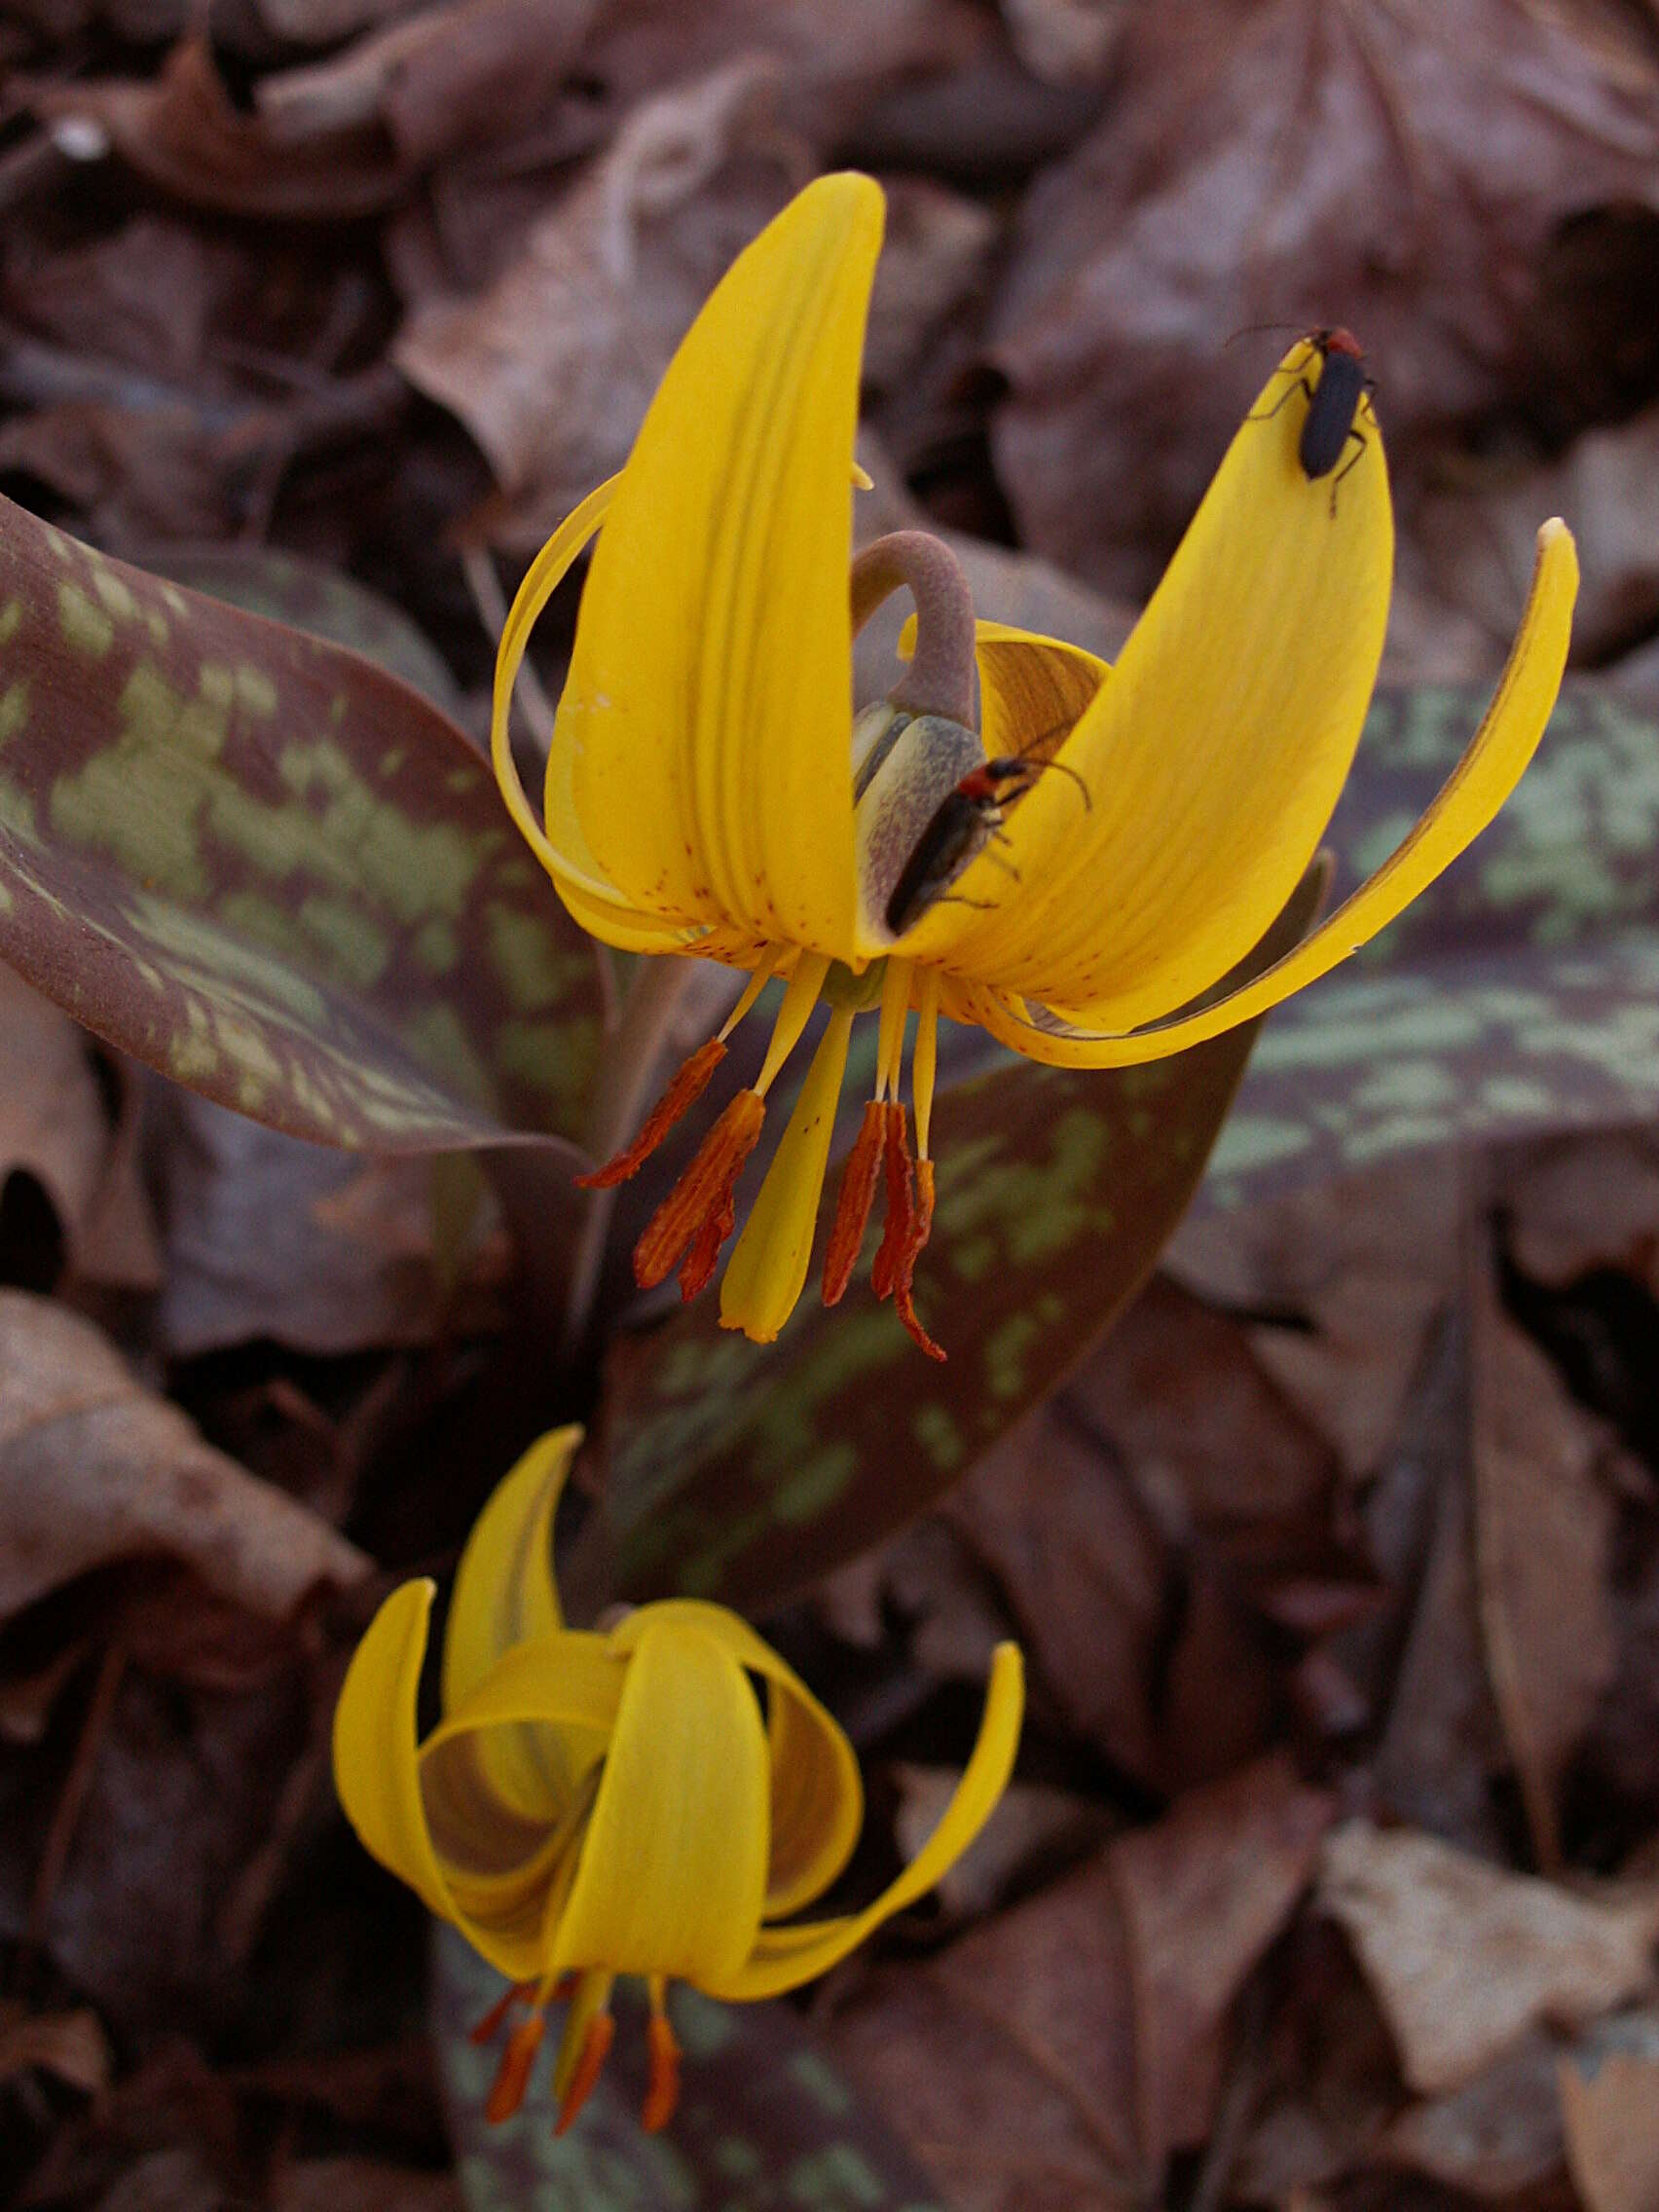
{"x": 633, "y": 1056}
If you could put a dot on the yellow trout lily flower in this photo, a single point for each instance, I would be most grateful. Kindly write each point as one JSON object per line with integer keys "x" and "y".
{"x": 711, "y": 792}
{"x": 648, "y": 1799}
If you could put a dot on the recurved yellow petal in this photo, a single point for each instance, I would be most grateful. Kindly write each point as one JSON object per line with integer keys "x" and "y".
{"x": 673, "y": 1868}
{"x": 375, "y": 1769}
{"x": 767, "y": 1270}
{"x": 817, "y": 1795}
{"x": 576, "y": 876}
{"x": 785, "y": 1957}
{"x": 705, "y": 723}
{"x": 1468, "y": 800}
{"x": 504, "y": 1592}
{"x": 505, "y": 1595}
{"x": 1214, "y": 755}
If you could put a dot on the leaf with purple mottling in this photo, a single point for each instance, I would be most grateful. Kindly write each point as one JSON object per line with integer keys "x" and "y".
{"x": 271, "y": 869}
{"x": 766, "y": 2122}
{"x": 1517, "y": 996}
{"x": 743, "y": 1471}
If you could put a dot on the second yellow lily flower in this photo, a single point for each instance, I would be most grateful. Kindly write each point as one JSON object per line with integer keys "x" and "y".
{"x": 709, "y": 792}
{"x": 649, "y": 1799}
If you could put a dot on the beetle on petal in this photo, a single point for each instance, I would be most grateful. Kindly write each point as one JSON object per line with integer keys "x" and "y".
{"x": 655, "y": 1798}
{"x": 710, "y": 791}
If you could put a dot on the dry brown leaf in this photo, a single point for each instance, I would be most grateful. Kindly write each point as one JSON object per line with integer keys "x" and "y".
{"x": 26, "y": 1700}
{"x": 52, "y": 1120}
{"x": 1203, "y": 1893}
{"x": 1360, "y": 1267}
{"x": 831, "y": 60}
{"x": 1544, "y": 1546}
{"x": 1497, "y": 2135}
{"x": 552, "y": 366}
{"x": 1331, "y": 2085}
{"x": 1584, "y": 1202}
{"x": 1143, "y": 1522}
{"x": 267, "y": 1236}
{"x": 1472, "y": 539}
{"x": 1402, "y": 168}
{"x": 928, "y": 1577}
{"x": 1466, "y": 1956}
{"x": 321, "y": 22}
{"x": 982, "y": 2110}
{"x": 1033, "y": 1829}
{"x": 1028, "y": 2015}
{"x": 93, "y": 1468}
{"x": 181, "y": 132}
{"x": 146, "y": 294}
{"x": 1214, "y": 1443}
{"x": 1065, "y": 41}
{"x": 1086, "y": 1571}
{"x": 1612, "y": 2119}
{"x": 1095, "y": 2011}
{"x": 56, "y": 1128}
{"x": 182, "y": 1789}
{"x": 53, "y": 1127}
{"x": 933, "y": 252}
{"x": 471, "y": 73}
{"x": 71, "y": 2045}
{"x": 177, "y": 2180}
{"x": 362, "y": 2185}
{"x": 1420, "y": 1666}
{"x": 134, "y": 473}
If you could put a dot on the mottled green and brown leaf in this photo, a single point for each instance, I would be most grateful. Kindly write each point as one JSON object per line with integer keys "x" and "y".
{"x": 1518, "y": 995}
{"x": 742, "y": 1471}
{"x": 766, "y": 2121}
{"x": 272, "y": 869}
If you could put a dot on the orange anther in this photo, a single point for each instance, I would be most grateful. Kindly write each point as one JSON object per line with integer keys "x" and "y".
{"x": 921, "y": 1228}
{"x": 700, "y": 1208}
{"x": 703, "y": 1253}
{"x": 662, "y": 2093}
{"x": 506, "y": 2095}
{"x": 853, "y": 1202}
{"x": 595, "y": 2049}
{"x": 682, "y": 1094}
{"x": 489, "y": 2027}
{"x": 901, "y": 1201}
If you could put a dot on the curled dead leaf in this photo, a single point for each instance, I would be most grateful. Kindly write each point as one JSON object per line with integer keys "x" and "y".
{"x": 93, "y": 1468}
{"x": 1406, "y": 169}
{"x": 181, "y": 132}
{"x": 600, "y": 290}
{"x": 72, "y": 2047}
{"x": 1465, "y": 1957}
{"x": 1611, "y": 2117}
{"x": 1543, "y": 1550}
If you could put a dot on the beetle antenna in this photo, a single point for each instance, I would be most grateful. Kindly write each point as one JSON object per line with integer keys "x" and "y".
{"x": 1249, "y": 330}
{"x": 1012, "y": 764}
